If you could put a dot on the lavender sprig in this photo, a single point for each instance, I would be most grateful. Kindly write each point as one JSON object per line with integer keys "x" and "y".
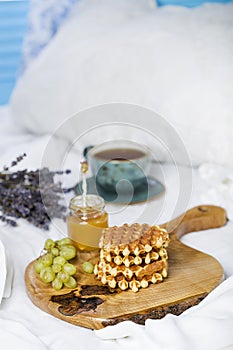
{"x": 31, "y": 195}
{"x": 14, "y": 162}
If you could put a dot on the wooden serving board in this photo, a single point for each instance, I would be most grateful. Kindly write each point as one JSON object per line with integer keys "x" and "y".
{"x": 192, "y": 275}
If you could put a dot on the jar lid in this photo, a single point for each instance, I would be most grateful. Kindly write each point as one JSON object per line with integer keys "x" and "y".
{"x": 93, "y": 203}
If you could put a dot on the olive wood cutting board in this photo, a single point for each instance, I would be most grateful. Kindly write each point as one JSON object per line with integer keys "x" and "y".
{"x": 191, "y": 276}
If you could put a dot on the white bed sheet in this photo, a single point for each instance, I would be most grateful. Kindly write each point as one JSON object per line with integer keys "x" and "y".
{"x": 24, "y": 326}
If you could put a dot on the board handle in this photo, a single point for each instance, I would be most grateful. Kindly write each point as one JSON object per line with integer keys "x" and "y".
{"x": 202, "y": 217}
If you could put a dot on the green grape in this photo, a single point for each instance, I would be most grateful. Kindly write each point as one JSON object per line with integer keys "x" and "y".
{"x": 63, "y": 276}
{"x": 49, "y": 244}
{"x": 47, "y": 259}
{"x": 53, "y": 266}
{"x": 87, "y": 267}
{"x": 57, "y": 284}
{"x": 71, "y": 283}
{"x": 56, "y": 268}
{"x": 47, "y": 274}
{"x": 64, "y": 241}
{"x": 68, "y": 252}
{"x": 69, "y": 268}
{"x": 55, "y": 251}
{"x": 60, "y": 260}
{"x": 38, "y": 265}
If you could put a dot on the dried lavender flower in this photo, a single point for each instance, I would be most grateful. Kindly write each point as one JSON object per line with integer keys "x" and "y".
{"x": 15, "y": 162}
{"x": 30, "y": 195}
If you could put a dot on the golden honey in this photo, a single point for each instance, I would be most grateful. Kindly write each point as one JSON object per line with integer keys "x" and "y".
{"x": 85, "y": 223}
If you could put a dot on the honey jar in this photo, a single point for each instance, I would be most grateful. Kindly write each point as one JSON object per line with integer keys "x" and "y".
{"x": 86, "y": 221}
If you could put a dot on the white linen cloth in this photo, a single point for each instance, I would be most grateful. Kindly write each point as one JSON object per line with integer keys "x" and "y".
{"x": 14, "y": 336}
{"x": 207, "y": 326}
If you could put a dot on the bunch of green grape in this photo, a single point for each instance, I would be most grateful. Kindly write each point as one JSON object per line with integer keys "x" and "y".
{"x": 53, "y": 265}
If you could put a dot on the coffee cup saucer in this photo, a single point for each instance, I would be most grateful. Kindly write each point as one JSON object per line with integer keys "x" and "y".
{"x": 149, "y": 189}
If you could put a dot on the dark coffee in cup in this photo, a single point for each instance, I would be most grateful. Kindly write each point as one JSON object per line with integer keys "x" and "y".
{"x": 119, "y": 165}
{"x": 120, "y": 154}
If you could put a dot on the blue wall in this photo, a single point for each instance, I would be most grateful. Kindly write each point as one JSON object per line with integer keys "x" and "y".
{"x": 13, "y": 24}
{"x": 188, "y": 3}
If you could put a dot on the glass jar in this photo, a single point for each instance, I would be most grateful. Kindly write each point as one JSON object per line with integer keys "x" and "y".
{"x": 85, "y": 223}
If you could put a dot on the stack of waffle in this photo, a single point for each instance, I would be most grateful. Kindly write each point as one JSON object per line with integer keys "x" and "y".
{"x": 132, "y": 256}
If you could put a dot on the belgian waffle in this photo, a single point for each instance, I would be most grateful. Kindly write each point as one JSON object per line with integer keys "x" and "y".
{"x": 135, "y": 238}
{"x": 134, "y": 284}
{"x": 105, "y": 269}
{"x": 132, "y": 256}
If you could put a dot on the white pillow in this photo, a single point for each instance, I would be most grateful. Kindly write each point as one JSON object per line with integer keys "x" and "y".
{"x": 44, "y": 20}
{"x": 175, "y": 61}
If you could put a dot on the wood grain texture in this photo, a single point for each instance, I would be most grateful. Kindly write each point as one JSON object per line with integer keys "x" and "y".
{"x": 192, "y": 275}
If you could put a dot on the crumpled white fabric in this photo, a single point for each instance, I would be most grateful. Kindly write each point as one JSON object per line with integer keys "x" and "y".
{"x": 218, "y": 188}
{"x": 207, "y": 326}
{"x": 15, "y": 336}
